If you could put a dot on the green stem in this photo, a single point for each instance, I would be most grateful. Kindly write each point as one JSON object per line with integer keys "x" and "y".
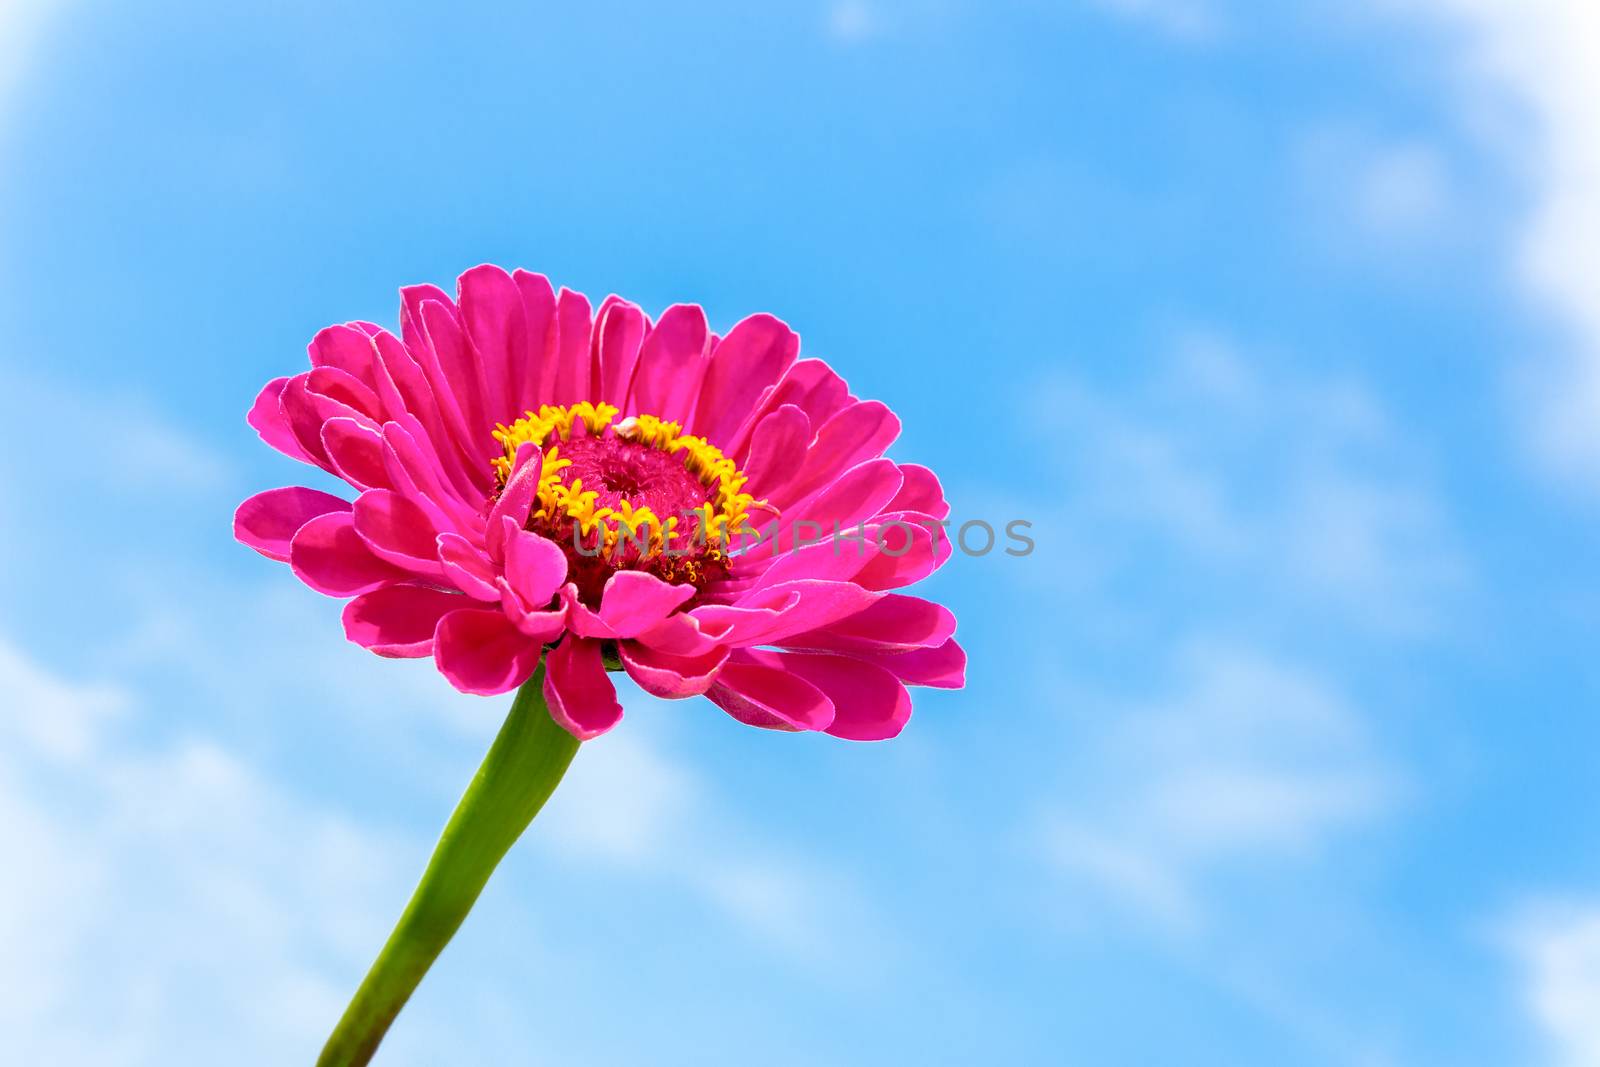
{"x": 522, "y": 769}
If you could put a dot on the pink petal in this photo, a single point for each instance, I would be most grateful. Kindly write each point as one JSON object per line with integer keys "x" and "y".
{"x": 757, "y": 690}
{"x": 836, "y": 559}
{"x": 516, "y": 499}
{"x": 402, "y": 381}
{"x": 268, "y": 521}
{"x": 682, "y": 635}
{"x": 777, "y": 449}
{"x": 308, "y": 409}
{"x": 634, "y": 601}
{"x": 670, "y": 677}
{"x": 542, "y": 626}
{"x": 535, "y": 566}
{"x": 581, "y": 698}
{"x": 869, "y": 703}
{"x": 810, "y": 385}
{"x": 413, "y": 331}
{"x": 671, "y": 363}
{"x": 941, "y": 667}
{"x": 534, "y": 371}
{"x": 267, "y": 417}
{"x": 415, "y": 473}
{"x": 856, "y": 434}
{"x": 856, "y": 496}
{"x": 582, "y": 619}
{"x": 920, "y": 491}
{"x": 894, "y": 623}
{"x": 572, "y": 378}
{"x": 453, "y": 368}
{"x": 742, "y": 624}
{"x": 467, "y": 568}
{"x": 356, "y": 452}
{"x": 328, "y": 555}
{"x": 491, "y": 308}
{"x": 345, "y": 348}
{"x": 398, "y": 620}
{"x": 345, "y": 388}
{"x": 751, "y": 358}
{"x": 304, "y": 413}
{"x": 479, "y": 651}
{"x": 907, "y": 551}
{"x": 619, "y": 333}
{"x": 398, "y": 531}
{"x": 770, "y": 614}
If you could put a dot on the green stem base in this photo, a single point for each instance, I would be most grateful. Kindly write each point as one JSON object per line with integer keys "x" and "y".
{"x": 522, "y": 769}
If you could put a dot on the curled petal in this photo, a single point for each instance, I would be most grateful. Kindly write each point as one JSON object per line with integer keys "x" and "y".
{"x": 398, "y": 531}
{"x": 768, "y": 615}
{"x": 920, "y": 491}
{"x": 758, "y": 690}
{"x": 356, "y": 451}
{"x": 467, "y": 568}
{"x": 478, "y": 650}
{"x": 398, "y": 620}
{"x": 328, "y": 555}
{"x": 582, "y": 619}
{"x": 268, "y": 521}
{"x": 535, "y": 566}
{"x": 810, "y": 385}
{"x": 682, "y": 635}
{"x": 905, "y": 551}
{"x": 869, "y": 703}
{"x": 634, "y": 601}
{"x": 342, "y": 387}
{"x": 667, "y": 676}
{"x": 941, "y": 667}
{"x": 859, "y": 432}
{"x": 516, "y": 499}
{"x": 346, "y": 348}
{"x": 268, "y": 419}
{"x": 415, "y": 472}
{"x": 581, "y": 696}
{"x": 542, "y": 626}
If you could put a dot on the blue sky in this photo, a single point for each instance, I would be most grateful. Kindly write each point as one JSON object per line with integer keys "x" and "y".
{"x": 1281, "y": 326}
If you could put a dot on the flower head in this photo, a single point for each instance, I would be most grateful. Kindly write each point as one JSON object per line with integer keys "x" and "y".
{"x": 713, "y": 515}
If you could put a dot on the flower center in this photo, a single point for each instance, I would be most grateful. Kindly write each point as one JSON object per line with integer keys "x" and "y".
{"x": 639, "y": 494}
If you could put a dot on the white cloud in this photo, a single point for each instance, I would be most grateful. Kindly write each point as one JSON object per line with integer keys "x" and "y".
{"x": 20, "y": 24}
{"x": 151, "y": 886}
{"x": 1404, "y": 188}
{"x": 1246, "y": 759}
{"x": 626, "y": 804}
{"x": 1538, "y": 57}
{"x": 1366, "y": 194}
{"x": 62, "y": 720}
{"x": 149, "y": 452}
{"x": 1556, "y": 947}
{"x": 1292, "y": 494}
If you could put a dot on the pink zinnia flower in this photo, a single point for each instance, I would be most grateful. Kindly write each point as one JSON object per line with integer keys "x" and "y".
{"x": 537, "y": 479}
